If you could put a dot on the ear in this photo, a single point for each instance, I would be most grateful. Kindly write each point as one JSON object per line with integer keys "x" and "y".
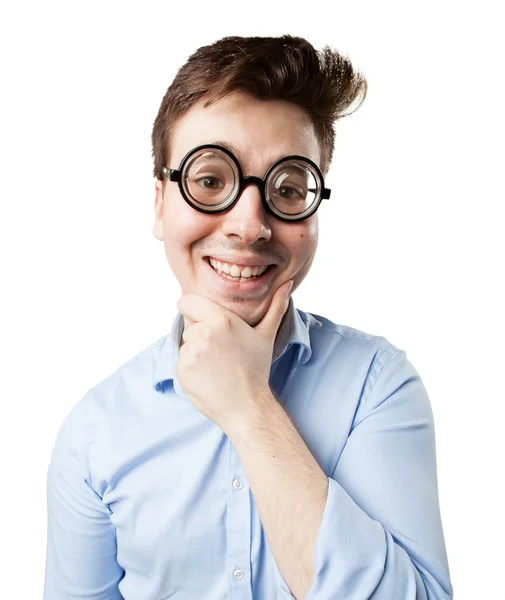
{"x": 158, "y": 210}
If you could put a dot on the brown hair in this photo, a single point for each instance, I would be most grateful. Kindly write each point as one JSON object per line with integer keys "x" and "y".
{"x": 287, "y": 68}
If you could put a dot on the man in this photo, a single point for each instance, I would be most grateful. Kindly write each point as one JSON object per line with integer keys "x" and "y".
{"x": 257, "y": 450}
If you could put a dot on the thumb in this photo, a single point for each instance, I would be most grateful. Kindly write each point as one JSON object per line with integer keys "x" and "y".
{"x": 271, "y": 320}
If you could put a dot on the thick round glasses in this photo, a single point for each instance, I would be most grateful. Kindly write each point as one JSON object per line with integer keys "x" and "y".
{"x": 211, "y": 181}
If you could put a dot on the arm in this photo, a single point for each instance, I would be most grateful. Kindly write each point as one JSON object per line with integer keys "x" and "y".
{"x": 81, "y": 543}
{"x": 288, "y": 486}
{"x": 380, "y": 536}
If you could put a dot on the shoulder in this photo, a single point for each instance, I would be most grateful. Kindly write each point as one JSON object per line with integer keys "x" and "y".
{"x": 345, "y": 349}
{"x": 130, "y": 380}
{"x": 331, "y": 340}
{"x": 377, "y": 368}
{"x": 110, "y": 414}
{"x": 119, "y": 393}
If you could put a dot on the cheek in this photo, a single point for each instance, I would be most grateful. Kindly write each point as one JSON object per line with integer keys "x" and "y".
{"x": 183, "y": 224}
{"x": 312, "y": 233}
{"x": 304, "y": 239}
{"x": 185, "y": 232}
{"x": 303, "y": 247}
{"x": 178, "y": 216}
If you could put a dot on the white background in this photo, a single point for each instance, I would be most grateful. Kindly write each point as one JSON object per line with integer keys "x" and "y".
{"x": 411, "y": 243}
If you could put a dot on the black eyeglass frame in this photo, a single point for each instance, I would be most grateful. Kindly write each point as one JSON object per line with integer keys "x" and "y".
{"x": 176, "y": 175}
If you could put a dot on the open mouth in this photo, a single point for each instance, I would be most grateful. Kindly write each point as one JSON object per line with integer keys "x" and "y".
{"x": 239, "y": 279}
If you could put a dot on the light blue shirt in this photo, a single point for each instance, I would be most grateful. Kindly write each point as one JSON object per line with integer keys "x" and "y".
{"x": 147, "y": 498}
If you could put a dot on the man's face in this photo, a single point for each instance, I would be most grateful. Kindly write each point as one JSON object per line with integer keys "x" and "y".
{"x": 262, "y": 131}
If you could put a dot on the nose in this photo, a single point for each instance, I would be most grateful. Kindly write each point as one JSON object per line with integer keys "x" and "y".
{"x": 247, "y": 218}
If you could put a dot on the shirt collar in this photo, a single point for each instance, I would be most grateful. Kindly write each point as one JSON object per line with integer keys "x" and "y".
{"x": 294, "y": 330}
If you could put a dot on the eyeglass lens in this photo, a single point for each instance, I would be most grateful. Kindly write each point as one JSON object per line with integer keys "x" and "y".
{"x": 211, "y": 180}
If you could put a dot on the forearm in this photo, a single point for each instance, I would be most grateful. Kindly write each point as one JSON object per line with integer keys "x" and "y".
{"x": 288, "y": 486}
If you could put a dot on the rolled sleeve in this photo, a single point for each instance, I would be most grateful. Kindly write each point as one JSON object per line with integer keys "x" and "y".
{"x": 381, "y": 534}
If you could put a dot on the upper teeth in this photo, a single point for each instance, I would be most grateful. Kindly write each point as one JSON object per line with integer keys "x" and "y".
{"x": 236, "y": 271}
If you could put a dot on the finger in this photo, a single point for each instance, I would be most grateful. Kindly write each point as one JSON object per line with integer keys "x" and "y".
{"x": 200, "y": 308}
{"x": 271, "y": 320}
{"x": 194, "y": 332}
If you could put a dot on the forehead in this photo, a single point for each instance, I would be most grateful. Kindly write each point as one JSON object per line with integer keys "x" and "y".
{"x": 257, "y": 132}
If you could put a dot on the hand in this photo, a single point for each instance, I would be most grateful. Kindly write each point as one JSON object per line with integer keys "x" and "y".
{"x": 224, "y": 363}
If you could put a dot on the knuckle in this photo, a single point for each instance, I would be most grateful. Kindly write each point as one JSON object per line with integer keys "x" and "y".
{"x": 224, "y": 322}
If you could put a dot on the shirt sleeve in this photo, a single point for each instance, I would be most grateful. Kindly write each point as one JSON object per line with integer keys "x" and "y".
{"x": 81, "y": 542}
{"x": 381, "y": 534}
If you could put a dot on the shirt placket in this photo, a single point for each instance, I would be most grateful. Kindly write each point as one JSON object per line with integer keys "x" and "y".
{"x": 239, "y": 529}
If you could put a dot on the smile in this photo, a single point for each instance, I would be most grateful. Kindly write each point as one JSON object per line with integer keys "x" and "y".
{"x": 250, "y": 284}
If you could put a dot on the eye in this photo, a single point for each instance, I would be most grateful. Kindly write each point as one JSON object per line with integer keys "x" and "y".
{"x": 210, "y": 182}
{"x": 288, "y": 192}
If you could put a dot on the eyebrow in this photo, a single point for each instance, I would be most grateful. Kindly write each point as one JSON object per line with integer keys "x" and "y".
{"x": 234, "y": 150}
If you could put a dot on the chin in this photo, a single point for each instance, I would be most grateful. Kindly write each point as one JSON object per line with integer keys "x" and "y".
{"x": 251, "y": 316}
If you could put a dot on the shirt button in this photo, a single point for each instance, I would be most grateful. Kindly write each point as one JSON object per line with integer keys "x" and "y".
{"x": 238, "y": 574}
{"x": 237, "y": 484}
